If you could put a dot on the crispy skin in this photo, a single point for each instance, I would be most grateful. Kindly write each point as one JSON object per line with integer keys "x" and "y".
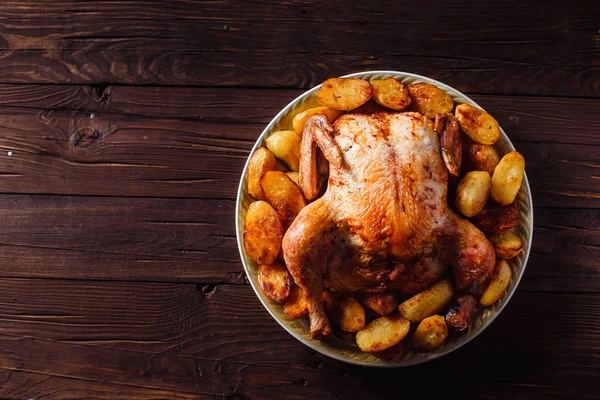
{"x": 385, "y": 206}
{"x": 495, "y": 218}
{"x": 459, "y": 316}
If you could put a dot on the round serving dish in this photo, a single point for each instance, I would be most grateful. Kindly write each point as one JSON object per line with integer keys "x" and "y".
{"x": 345, "y": 351}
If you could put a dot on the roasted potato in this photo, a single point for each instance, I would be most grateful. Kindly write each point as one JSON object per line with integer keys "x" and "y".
{"x": 381, "y": 303}
{"x": 382, "y": 333}
{"x": 261, "y": 161}
{"x": 498, "y": 284}
{"x": 274, "y": 281}
{"x": 283, "y": 194}
{"x": 344, "y": 93}
{"x": 300, "y": 119}
{"x": 427, "y": 302}
{"x": 293, "y": 176}
{"x": 430, "y": 333}
{"x": 263, "y": 233}
{"x": 506, "y": 244}
{"x": 285, "y": 145}
{"x": 345, "y": 311}
{"x": 447, "y": 127}
{"x": 429, "y": 99}
{"x": 495, "y": 218}
{"x": 480, "y": 157}
{"x": 295, "y": 305}
{"x": 477, "y": 124}
{"x": 390, "y": 93}
{"x": 508, "y": 177}
{"x": 472, "y": 192}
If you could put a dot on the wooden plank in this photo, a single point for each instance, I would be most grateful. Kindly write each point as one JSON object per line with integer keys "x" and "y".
{"x": 119, "y": 238}
{"x": 19, "y": 385}
{"x": 227, "y": 43}
{"x": 62, "y": 151}
{"x": 174, "y": 337}
{"x": 190, "y": 240}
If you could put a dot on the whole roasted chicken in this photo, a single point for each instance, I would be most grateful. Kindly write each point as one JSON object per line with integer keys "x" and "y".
{"x": 383, "y": 222}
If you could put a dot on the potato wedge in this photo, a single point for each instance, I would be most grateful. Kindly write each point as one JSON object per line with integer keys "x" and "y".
{"x": 382, "y": 333}
{"x": 261, "y": 161}
{"x": 430, "y": 333}
{"x": 295, "y": 305}
{"x": 391, "y": 93}
{"x": 429, "y": 99}
{"x": 447, "y": 127}
{"x": 495, "y": 218}
{"x": 427, "y": 302}
{"x": 498, "y": 284}
{"x": 344, "y": 93}
{"x": 477, "y": 124}
{"x": 506, "y": 244}
{"x": 472, "y": 192}
{"x": 344, "y": 311}
{"x": 508, "y": 177}
{"x": 381, "y": 303}
{"x": 283, "y": 194}
{"x": 274, "y": 281}
{"x": 263, "y": 233}
{"x": 293, "y": 176}
{"x": 480, "y": 157}
{"x": 285, "y": 145}
{"x": 300, "y": 119}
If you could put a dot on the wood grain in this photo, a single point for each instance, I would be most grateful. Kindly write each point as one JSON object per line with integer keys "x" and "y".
{"x": 226, "y": 43}
{"x": 190, "y": 240}
{"x": 197, "y": 146}
{"x": 19, "y": 385}
{"x": 222, "y": 342}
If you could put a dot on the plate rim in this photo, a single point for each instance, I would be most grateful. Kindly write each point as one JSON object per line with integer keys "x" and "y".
{"x": 325, "y": 350}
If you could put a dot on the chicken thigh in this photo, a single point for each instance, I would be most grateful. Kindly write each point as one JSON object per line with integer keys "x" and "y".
{"x": 383, "y": 222}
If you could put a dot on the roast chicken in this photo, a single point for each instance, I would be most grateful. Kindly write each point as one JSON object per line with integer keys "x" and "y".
{"x": 383, "y": 222}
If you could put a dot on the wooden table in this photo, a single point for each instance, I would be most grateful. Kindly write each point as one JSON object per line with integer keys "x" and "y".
{"x": 124, "y": 127}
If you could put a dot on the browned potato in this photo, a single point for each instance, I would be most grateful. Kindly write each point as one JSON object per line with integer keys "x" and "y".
{"x": 506, "y": 244}
{"x": 345, "y": 311}
{"x": 274, "y": 281}
{"x": 344, "y": 93}
{"x": 477, "y": 124}
{"x": 390, "y": 93}
{"x": 381, "y": 303}
{"x": 460, "y": 315}
{"x": 429, "y": 99}
{"x": 495, "y": 218}
{"x": 498, "y": 284}
{"x": 447, "y": 127}
{"x": 300, "y": 119}
{"x": 295, "y": 306}
{"x": 480, "y": 157}
{"x": 261, "y": 161}
{"x": 293, "y": 176}
{"x": 285, "y": 145}
{"x": 508, "y": 177}
{"x": 283, "y": 194}
{"x": 472, "y": 192}
{"x": 263, "y": 233}
{"x": 430, "y": 333}
{"x": 382, "y": 333}
{"x": 428, "y": 302}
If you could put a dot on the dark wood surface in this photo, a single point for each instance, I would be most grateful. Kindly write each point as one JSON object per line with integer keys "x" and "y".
{"x": 128, "y": 124}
